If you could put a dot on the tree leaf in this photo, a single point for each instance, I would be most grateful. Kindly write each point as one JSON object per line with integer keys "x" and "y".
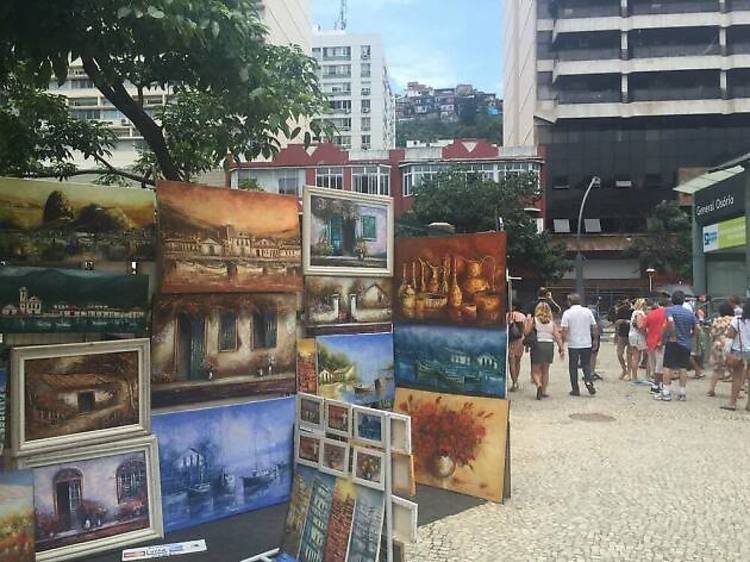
{"x": 123, "y": 12}
{"x": 155, "y": 12}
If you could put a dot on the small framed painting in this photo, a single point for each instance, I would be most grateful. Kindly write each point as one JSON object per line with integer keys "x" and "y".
{"x": 79, "y": 394}
{"x": 400, "y": 433}
{"x": 369, "y": 425}
{"x": 405, "y": 515}
{"x": 338, "y": 417}
{"x": 368, "y": 466}
{"x": 403, "y": 480}
{"x": 335, "y": 457}
{"x": 308, "y": 449}
{"x": 310, "y": 412}
{"x": 92, "y": 499}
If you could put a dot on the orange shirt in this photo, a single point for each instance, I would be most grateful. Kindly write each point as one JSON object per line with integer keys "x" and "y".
{"x": 654, "y": 325}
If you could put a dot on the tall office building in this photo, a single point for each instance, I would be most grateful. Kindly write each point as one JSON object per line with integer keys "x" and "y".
{"x": 642, "y": 93}
{"x": 354, "y": 75}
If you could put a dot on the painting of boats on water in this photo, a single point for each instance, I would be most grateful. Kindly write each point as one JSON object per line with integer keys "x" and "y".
{"x": 221, "y": 461}
{"x": 467, "y": 361}
{"x": 17, "y": 516}
{"x": 357, "y": 369}
{"x": 347, "y": 303}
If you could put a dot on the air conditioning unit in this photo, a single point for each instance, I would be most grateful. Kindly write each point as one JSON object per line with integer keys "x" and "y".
{"x": 624, "y": 183}
{"x": 124, "y": 122}
{"x": 365, "y": 110}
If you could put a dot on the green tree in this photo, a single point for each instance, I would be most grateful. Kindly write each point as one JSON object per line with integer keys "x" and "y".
{"x": 667, "y": 243}
{"x": 234, "y": 92}
{"x": 472, "y": 203}
{"x": 488, "y": 127}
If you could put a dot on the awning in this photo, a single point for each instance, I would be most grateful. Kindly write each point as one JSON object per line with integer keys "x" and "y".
{"x": 708, "y": 179}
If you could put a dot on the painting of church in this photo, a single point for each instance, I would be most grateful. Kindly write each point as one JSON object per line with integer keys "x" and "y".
{"x": 206, "y": 347}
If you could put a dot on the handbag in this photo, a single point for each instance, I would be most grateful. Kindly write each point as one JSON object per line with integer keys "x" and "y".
{"x": 515, "y": 332}
{"x": 735, "y": 360}
{"x": 531, "y": 340}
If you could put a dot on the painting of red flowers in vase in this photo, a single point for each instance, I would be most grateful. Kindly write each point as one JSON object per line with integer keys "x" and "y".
{"x": 458, "y": 441}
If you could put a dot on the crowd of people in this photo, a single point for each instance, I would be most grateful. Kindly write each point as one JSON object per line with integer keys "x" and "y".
{"x": 666, "y": 338}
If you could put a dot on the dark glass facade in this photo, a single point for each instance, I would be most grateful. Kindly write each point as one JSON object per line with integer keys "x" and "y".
{"x": 639, "y": 161}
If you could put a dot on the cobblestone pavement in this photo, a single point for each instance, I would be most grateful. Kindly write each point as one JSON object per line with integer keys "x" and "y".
{"x": 660, "y": 481}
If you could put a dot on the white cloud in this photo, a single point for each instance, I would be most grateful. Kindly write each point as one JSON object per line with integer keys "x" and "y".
{"x": 410, "y": 63}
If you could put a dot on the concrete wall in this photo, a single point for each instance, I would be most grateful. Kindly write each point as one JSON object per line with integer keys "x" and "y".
{"x": 519, "y": 80}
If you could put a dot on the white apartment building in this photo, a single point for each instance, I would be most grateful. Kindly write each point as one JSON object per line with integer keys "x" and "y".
{"x": 354, "y": 75}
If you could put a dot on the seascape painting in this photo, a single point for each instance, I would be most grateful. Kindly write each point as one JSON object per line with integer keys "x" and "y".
{"x": 17, "y": 516}
{"x": 221, "y": 461}
{"x": 208, "y": 347}
{"x": 347, "y": 233}
{"x": 36, "y": 299}
{"x": 307, "y": 366}
{"x": 227, "y": 240}
{"x": 450, "y": 359}
{"x": 459, "y": 442}
{"x": 347, "y": 302}
{"x": 331, "y": 519}
{"x": 49, "y": 222}
{"x": 357, "y": 369}
{"x": 457, "y": 279}
{"x": 81, "y": 501}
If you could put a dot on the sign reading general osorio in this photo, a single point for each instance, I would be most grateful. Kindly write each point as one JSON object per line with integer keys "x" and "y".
{"x": 723, "y": 201}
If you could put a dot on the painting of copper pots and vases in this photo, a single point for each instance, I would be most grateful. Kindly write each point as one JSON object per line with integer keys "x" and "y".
{"x": 457, "y": 279}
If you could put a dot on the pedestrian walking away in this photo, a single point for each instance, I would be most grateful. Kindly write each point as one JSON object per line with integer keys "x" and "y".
{"x": 739, "y": 356}
{"x": 654, "y": 325}
{"x": 541, "y": 335}
{"x": 721, "y": 344}
{"x": 636, "y": 338}
{"x": 578, "y": 330}
{"x": 623, "y": 312}
{"x": 516, "y": 326}
{"x": 680, "y": 334}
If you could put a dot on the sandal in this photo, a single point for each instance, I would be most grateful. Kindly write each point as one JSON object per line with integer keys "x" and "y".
{"x": 710, "y": 393}
{"x": 728, "y": 408}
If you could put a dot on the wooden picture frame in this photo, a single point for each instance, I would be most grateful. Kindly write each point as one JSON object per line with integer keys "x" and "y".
{"x": 325, "y": 465}
{"x": 385, "y": 203}
{"x": 400, "y": 433}
{"x": 310, "y": 412}
{"x": 80, "y": 398}
{"x": 333, "y": 430}
{"x": 359, "y": 474}
{"x": 369, "y": 436}
{"x": 405, "y": 520}
{"x": 300, "y": 439}
{"x": 42, "y": 464}
{"x": 403, "y": 479}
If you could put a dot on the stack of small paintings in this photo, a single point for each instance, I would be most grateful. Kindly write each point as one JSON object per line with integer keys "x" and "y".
{"x": 224, "y": 460}
{"x": 17, "y": 516}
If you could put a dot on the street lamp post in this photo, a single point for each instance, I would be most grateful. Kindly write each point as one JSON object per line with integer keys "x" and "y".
{"x": 650, "y": 272}
{"x": 595, "y": 182}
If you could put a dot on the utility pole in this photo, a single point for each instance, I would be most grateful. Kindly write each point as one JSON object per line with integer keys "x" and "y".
{"x": 580, "y": 289}
{"x": 341, "y": 22}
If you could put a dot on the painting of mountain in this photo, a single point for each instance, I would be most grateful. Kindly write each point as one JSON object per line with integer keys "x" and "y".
{"x": 50, "y": 222}
{"x": 17, "y": 516}
{"x": 221, "y": 461}
{"x": 37, "y": 299}
{"x": 227, "y": 240}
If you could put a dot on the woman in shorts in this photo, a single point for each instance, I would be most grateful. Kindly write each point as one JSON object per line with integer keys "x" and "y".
{"x": 637, "y": 338}
{"x": 544, "y": 334}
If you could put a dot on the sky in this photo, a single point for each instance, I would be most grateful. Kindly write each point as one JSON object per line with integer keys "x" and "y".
{"x": 437, "y": 42}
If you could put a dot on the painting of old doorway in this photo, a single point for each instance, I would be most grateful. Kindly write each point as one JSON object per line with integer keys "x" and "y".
{"x": 190, "y": 350}
{"x": 68, "y": 485}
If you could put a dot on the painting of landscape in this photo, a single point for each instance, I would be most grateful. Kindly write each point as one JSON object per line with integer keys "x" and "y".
{"x": 307, "y": 366}
{"x": 17, "y": 516}
{"x": 53, "y": 223}
{"x": 347, "y": 302}
{"x": 459, "y": 442}
{"x": 347, "y": 516}
{"x": 451, "y": 359}
{"x": 347, "y": 233}
{"x": 37, "y": 299}
{"x": 81, "y": 501}
{"x": 227, "y": 240}
{"x": 458, "y": 279}
{"x": 209, "y": 347}
{"x": 221, "y": 461}
{"x": 357, "y": 369}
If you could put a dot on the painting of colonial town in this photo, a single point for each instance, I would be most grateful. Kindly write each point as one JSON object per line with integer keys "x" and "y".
{"x": 357, "y": 369}
{"x": 227, "y": 240}
{"x": 457, "y": 279}
{"x": 70, "y": 395}
{"x": 81, "y": 501}
{"x": 459, "y": 442}
{"x": 53, "y": 223}
{"x": 17, "y": 516}
{"x": 347, "y": 302}
{"x": 450, "y": 359}
{"x": 347, "y": 233}
{"x": 221, "y": 461}
{"x": 36, "y": 299}
{"x": 331, "y": 519}
{"x": 207, "y": 347}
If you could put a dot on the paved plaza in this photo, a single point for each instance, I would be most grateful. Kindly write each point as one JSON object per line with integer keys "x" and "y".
{"x": 617, "y": 476}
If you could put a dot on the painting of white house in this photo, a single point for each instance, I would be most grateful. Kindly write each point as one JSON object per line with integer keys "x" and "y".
{"x": 347, "y": 302}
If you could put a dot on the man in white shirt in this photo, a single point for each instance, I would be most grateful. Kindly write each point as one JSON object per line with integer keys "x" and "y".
{"x": 579, "y": 329}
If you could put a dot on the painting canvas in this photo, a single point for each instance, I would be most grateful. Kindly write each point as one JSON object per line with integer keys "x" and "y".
{"x": 16, "y": 516}
{"x": 347, "y": 302}
{"x": 458, "y": 441}
{"x": 3, "y": 402}
{"x": 36, "y": 299}
{"x": 450, "y": 359}
{"x": 347, "y": 233}
{"x": 221, "y": 461}
{"x": 457, "y": 279}
{"x": 79, "y": 393}
{"x": 331, "y": 519}
{"x": 356, "y": 368}
{"x": 54, "y": 223}
{"x": 207, "y": 347}
{"x": 307, "y": 366}
{"x": 227, "y": 240}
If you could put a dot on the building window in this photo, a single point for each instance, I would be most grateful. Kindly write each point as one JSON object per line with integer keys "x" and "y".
{"x": 365, "y": 106}
{"x": 131, "y": 480}
{"x": 338, "y": 88}
{"x": 339, "y": 106}
{"x": 561, "y": 226}
{"x": 265, "y": 329}
{"x": 365, "y": 90}
{"x": 486, "y": 171}
{"x": 414, "y": 175}
{"x": 337, "y": 70}
{"x": 369, "y": 227}
{"x": 344, "y": 141}
{"x": 332, "y": 178}
{"x": 86, "y": 114}
{"x": 366, "y": 123}
{"x": 337, "y": 53}
{"x": 374, "y": 180}
{"x": 365, "y": 52}
{"x": 560, "y": 182}
{"x": 80, "y": 102}
{"x": 366, "y": 142}
{"x": 366, "y": 70}
{"x": 289, "y": 185}
{"x": 82, "y": 83}
{"x": 227, "y": 331}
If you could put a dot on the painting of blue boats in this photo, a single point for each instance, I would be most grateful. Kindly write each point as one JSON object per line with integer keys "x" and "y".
{"x": 221, "y": 461}
{"x": 453, "y": 360}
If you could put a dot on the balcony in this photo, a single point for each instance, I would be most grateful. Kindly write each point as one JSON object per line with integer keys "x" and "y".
{"x": 739, "y": 83}
{"x": 680, "y": 85}
{"x": 335, "y": 76}
{"x": 564, "y": 9}
{"x": 588, "y": 96}
{"x": 739, "y": 4}
{"x": 650, "y": 7}
{"x": 597, "y": 88}
{"x": 654, "y": 43}
{"x": 738, "y": 40}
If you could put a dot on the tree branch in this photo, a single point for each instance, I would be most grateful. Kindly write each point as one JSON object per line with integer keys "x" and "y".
{"x": 94, "y": 171}
{"x": 152, "y": 133}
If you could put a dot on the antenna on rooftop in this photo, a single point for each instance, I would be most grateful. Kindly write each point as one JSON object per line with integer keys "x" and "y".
{"x": 341, "y": 21}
